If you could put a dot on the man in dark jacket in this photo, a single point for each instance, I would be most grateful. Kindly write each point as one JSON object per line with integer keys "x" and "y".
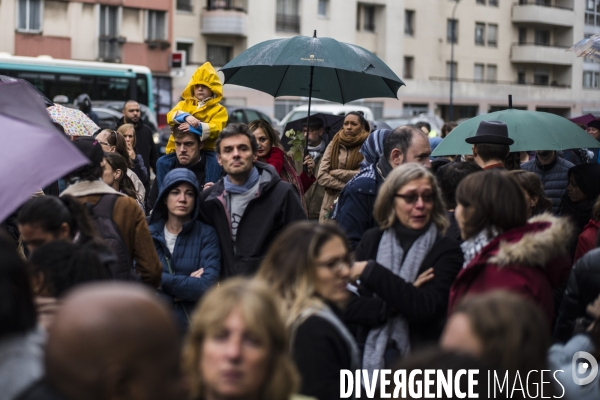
{"x": 553, "y": 172}
{"x": 249, "y": 206}
{"x": 357, "y": 200}
{"x": 188, "y": 154}
{"x": 144, "y": 142}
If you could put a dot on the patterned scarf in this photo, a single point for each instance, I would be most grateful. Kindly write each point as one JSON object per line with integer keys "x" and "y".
{"x": 472, "y": 247}
{"x": 352, "y": 144}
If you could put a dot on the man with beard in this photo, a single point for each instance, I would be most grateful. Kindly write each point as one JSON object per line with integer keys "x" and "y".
{"x": 249, "y": 206}
{"x": 553, "y": 171}
{"x": 144, "y": 142}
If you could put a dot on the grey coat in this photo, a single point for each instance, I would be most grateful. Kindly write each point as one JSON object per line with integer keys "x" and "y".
{"x": 554, "y": 176}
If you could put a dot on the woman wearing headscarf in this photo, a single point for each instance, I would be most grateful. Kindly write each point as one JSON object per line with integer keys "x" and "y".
{"x": 341, "y": 160}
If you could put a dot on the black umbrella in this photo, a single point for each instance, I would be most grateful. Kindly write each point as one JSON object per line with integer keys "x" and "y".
{"x": 331, "y": 124}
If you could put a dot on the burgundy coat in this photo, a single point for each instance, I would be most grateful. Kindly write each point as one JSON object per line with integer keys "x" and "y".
{"x": 531, "y": 260}
{"x": 587, "y": 239}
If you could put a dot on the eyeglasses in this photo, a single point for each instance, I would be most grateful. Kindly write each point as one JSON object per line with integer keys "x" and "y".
{"x": 337, "y": 264}
{"x": 413, "y": 198}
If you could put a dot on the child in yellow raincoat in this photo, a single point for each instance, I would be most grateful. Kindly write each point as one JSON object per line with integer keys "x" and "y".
{"x": 200, "y": 112}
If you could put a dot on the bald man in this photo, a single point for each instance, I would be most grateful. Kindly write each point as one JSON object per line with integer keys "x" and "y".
{"x": 111, "y": 341}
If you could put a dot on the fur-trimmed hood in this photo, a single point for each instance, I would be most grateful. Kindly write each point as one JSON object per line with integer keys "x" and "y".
{"x": 544, "y": 239}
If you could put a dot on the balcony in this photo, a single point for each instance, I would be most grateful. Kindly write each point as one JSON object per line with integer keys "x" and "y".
{"x": 224, "y": 17}
{"x": 532, "y": 13}
{"x": 532, "y": 53}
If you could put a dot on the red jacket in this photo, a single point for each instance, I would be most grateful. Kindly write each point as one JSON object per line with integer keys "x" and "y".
{"x": 587, "y": 239}
{"x": 531, "y": 260}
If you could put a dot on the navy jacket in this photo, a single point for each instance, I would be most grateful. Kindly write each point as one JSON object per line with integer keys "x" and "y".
{"x": 197, "y": 246}
{"x": 356, "y": 203}
{"x": 554, "y": 176}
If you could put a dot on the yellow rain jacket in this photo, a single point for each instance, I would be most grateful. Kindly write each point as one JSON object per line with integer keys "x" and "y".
{"x": 212, "y": 115}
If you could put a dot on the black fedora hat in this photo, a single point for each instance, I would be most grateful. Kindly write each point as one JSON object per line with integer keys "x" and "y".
{"x": 492, "y": 132}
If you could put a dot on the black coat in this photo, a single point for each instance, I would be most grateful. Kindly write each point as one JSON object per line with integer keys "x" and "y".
{"x": 320, "y": 352}
{"x": 144, "y": 144}
{"x": 40, "y": 390}
{"x": 582, "y": 289}
{"x": 276, "y": 206}
{"x": 424, "y": 308}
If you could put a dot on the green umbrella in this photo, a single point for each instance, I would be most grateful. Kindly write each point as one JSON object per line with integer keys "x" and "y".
{"x": 335, "y": 71}
{"x": 531, "y": 130}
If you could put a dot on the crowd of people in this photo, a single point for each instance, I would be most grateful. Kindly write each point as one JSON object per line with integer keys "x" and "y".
{"x": 227, "y": 270}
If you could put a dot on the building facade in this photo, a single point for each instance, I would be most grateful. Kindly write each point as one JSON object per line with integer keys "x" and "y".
{"x": 501, "y": 47}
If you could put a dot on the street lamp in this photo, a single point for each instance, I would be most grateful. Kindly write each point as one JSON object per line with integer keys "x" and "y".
{"x": 454, "y": 29}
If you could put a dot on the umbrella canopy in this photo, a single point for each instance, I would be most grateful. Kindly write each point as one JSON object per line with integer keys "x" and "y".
{"x": 584, "y": 119}
{"x": 34, "y": 153}
{"x": 73, "y": 121}
{"x": 531, "y": 130}
{"x": 331, "y": 123}
{"x": 9, "y": 79}
{"x": 342, "y": 72}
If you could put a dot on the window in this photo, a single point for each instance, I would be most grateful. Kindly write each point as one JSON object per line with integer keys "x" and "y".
{"x": 451, "y": 69}
{"x": 521, "y": 77}
{"x": 30, "y": 16}
{"x": 541, "y": 77}
{"x": 108, "y": 21}
{"x": 109, "y": 47}
{"x": 156, "y": 25}
{"x": 369, "y": 18}
{"x": 218, "y": 55}
{"x": 492, "y": 35}
{"x": 478, "y": 72}
{"x": 592, "y": 12}
{"x": 590, "y": 79}
{"x": 187, "y": 47}
{"x": 479, "y": 34}
{"x": 493, "y": 3}
{"x": 542, "y": 37}
{"x": 522, "y": 35}
{"x": 480, "y": 2}
{"x": 492, "y": 71}
{"x": 409, "y": 22}
{"x": 452, "y": 31}
{"x": 409, "y": 63}
{"x": 184, "y": 5}
{"x": 323, "y": 8}
{"x": 287, "y": 19}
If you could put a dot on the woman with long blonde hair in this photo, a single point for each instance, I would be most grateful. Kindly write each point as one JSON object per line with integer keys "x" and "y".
{"x": 237, "y": 346}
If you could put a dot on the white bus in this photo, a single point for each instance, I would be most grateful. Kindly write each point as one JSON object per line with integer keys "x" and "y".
{"x": 101, "y": 81}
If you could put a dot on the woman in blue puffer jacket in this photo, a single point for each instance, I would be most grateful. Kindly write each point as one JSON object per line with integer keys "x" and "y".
{"x": 188, "y": 249}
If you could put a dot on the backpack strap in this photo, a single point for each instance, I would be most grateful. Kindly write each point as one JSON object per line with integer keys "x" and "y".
{"x": 105, "y": 206}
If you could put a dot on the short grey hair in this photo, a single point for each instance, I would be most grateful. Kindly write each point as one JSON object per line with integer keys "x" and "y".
{"x": 384, "y": 211}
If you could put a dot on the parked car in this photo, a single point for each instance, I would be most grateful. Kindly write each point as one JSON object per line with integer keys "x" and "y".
{"x": 394, "y": 122}
{"x": 335, "y": 109}
{"x": 148, "y": 117}
{"x": 107, "y": 116}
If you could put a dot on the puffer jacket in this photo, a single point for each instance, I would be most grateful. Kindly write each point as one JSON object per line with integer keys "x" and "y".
{"x": 532, "y": 260}
{"x": 554, "y": 178}
{"x": 197, "y": 246}
{"x": 582, "y": 289}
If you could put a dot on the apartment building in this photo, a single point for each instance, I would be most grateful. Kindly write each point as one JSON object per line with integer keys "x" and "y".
{"x": 501, "y": 47}
{"x": 116, "y": 31}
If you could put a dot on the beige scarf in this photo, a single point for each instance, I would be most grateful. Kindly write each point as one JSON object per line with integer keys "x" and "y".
{"x": 352, "y": 144}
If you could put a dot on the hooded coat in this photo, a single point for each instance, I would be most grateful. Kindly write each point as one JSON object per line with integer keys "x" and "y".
{"x": 276, "y": 205}
{"x": 197, "y": 246}
{"x": 212, "y": 114}
{"x": 530, "y": 260}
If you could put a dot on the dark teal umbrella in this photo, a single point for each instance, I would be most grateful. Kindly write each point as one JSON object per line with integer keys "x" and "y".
{"x": 311, "y": 66}
{"x": 531, "y": 130}
{"x": 339, "y": 72}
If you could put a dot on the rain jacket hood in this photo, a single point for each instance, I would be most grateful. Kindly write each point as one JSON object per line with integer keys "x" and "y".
{"x": 212, "y": 115}
{"x": 175, "y": 177}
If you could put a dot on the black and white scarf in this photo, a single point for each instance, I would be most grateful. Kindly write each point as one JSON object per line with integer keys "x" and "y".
{"x": 472, "y": 247}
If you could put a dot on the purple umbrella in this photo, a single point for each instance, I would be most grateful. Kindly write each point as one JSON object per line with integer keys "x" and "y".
{"x": 584, "y": 119}
{"x": 34, "y": 153}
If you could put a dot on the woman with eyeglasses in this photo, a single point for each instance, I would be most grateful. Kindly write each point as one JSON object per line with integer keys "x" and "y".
{"x": 503, "y": 249}
{"x": 308, "y": 267}
{"x": 409, "y": 242}
{"x": 114, "y": 142}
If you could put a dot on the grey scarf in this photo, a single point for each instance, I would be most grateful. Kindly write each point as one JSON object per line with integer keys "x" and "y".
{"x": 396, "y": 329}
